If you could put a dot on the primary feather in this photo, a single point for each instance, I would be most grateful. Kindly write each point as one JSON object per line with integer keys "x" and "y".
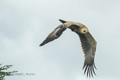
{"x": 89, "y": 48}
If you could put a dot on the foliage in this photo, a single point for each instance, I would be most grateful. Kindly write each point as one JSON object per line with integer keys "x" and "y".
{"x": 4, "y": 73}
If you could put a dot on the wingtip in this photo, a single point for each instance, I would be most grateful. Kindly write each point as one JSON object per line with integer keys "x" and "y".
{"x": 41, "y": 44}
{"x": 89, "y": 70}
{"x": 62, "y": 21}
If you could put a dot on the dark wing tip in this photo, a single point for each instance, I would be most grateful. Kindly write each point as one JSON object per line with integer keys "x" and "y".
{"x": 44, "y": 42}
{"x": 41, "y": 44}
{"x": 62, "y": 21}
{"x": 89, "y": 70}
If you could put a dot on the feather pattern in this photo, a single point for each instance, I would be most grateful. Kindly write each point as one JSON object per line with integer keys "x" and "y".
{"x": 89, "y": 47}
{"x": 54, "y": 34}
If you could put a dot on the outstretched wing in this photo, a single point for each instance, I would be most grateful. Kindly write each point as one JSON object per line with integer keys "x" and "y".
{"x": 89, "y": 48}
{"x": 54, "y": 34}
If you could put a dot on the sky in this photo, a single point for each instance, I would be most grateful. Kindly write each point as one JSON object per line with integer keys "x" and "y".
{"x": 24, "y": 24}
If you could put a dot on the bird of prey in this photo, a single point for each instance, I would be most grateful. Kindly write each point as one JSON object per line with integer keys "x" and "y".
{"x": 87, "y": 41}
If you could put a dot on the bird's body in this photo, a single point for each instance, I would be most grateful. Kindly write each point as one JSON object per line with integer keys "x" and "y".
{"x": 87, "y": 41}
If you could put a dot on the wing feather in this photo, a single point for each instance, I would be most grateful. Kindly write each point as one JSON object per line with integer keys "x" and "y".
{"x": 89, "y": 47}
{"x": 54, "y": 34}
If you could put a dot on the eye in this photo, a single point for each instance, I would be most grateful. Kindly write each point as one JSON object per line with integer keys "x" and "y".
{"x": 84, "y": 30}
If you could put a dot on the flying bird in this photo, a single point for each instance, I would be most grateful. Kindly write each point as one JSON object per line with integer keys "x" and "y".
{"x": 88, "y": 43}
